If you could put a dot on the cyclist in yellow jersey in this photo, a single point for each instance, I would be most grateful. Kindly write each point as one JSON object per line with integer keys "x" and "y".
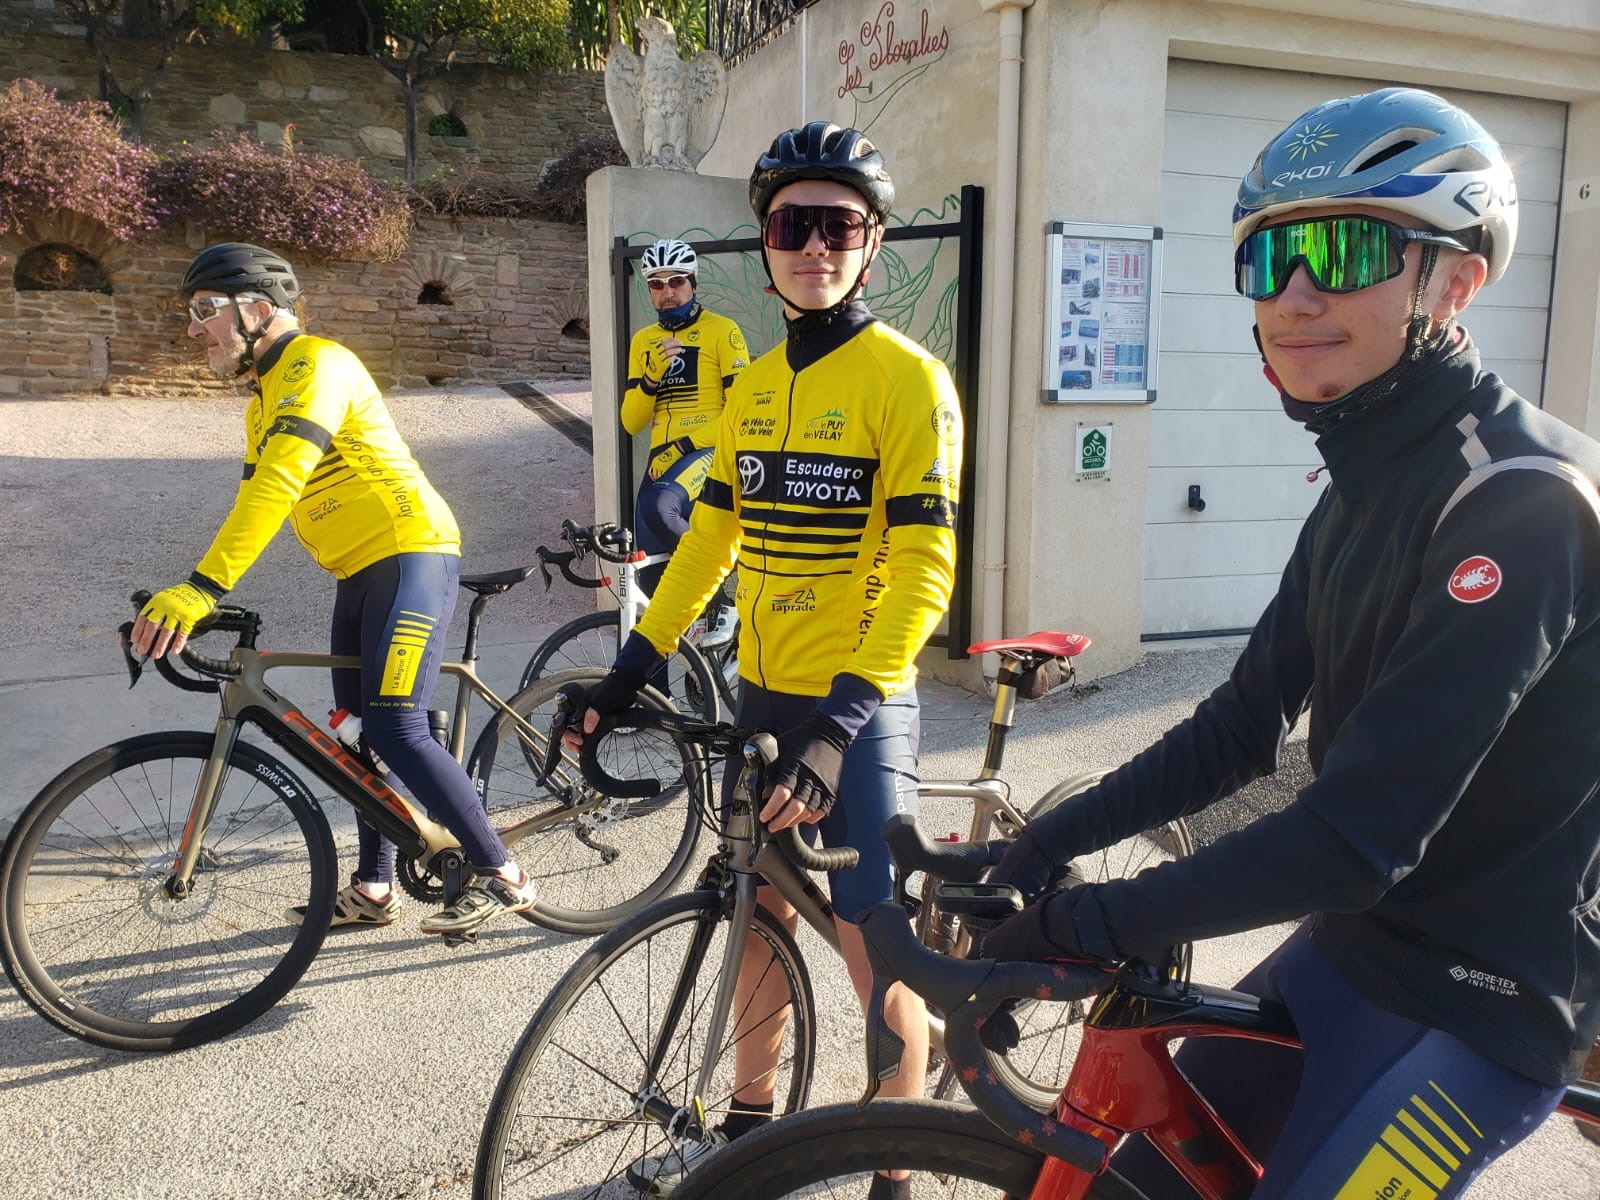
{"x": 322, "y": 450}
{"x": 679, "y": 369}
{"x": 833, "y": 489}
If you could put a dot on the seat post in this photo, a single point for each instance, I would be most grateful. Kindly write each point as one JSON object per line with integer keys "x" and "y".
{"x": 469, "y": 652}
{"x": 1001, "y": 718}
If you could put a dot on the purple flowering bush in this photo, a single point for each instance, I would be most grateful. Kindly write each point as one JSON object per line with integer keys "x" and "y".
{"x": 318, "y": 204}
{"x": 60, "y": 157}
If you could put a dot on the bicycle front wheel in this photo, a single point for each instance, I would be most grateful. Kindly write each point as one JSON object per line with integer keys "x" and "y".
{"x": 951, "y": 1150}
{"x": 596, "y": 859}
{"x": 579, "y": 1102}
{"x": 93, "y": 939}
{"x": 1037, "y": 1068}
{"x": 590, "y": 642}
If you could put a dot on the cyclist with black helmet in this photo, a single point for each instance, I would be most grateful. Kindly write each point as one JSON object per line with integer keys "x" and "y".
{"x": 679, "y": 370}
{"x": 1440, "y": 621}
{"x": 322, "y": 451}
{"x": 833, "y": 490}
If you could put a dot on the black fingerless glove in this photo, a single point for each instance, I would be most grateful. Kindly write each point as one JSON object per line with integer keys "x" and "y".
{"x": 619, "y": 690}
{"x": 810, "y": 757}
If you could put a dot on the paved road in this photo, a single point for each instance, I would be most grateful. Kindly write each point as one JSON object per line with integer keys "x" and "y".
{"x": 372, "y": 1078}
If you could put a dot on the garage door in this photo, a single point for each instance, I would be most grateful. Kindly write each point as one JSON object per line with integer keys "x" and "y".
{"x": 1216, "y": 422}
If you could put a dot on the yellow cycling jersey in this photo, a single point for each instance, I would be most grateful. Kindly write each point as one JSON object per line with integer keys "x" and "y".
{"x": 322, "y": 450}
{"x": 689, "y": 400}
{"x": 834, "y": 489}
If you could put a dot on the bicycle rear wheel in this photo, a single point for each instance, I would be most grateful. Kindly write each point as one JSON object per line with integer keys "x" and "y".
{"x": 569, "y": 1113}
{"x": 92, "y": 939}
{"x": 1037, "y": 1068}
{"x": 597, "y": 860}
{"x": 951, "y": 1150}
{"x": 591, "y": 641}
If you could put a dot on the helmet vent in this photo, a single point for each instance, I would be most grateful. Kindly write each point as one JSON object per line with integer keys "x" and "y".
{"x": 1392, "y": 145}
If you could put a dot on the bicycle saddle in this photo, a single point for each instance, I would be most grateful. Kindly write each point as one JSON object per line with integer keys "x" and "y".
{"x": 1044, "y": 644}
{"x": 496, "y": 581}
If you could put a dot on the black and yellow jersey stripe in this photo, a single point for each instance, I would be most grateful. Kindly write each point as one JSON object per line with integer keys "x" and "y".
{"x": 323, "y": 451}
{"x": 833, "y": 489}
{"x": 688, "y": 402}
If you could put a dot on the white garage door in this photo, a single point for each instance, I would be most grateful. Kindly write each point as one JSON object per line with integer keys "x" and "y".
{"x": 1216, "y": 422}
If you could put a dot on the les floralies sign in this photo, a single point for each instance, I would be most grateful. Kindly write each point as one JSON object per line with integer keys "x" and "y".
{"x": 886, "y": 42}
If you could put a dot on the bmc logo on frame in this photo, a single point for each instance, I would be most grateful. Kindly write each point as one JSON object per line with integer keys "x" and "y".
{"x": 1475, "y": 580}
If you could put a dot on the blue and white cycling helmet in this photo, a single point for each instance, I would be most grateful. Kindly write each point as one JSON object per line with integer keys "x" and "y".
{"x": 668, "y": 257}
{"x": 1397, "y": 148}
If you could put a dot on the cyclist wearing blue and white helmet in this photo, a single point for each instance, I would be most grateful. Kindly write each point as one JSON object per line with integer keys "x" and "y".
{"x": 680, "y": 368}
{"x": 1439, "y": 623}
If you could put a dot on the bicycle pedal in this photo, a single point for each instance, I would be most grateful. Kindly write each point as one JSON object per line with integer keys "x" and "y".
{"x": 459, "y": 938}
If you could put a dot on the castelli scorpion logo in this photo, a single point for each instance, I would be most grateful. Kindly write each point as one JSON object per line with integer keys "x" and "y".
{"x": 1476, "y": 579}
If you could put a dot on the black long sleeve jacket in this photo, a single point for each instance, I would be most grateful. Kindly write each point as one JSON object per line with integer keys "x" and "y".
{"x": 1439, "y": 620}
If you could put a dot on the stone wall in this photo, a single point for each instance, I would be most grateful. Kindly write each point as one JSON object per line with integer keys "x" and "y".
{"x": 515, "y": 292}
{"x": 337, "y": 103}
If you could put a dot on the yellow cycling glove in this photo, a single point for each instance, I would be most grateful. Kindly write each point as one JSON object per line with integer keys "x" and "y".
{"x": 179, "y": 607}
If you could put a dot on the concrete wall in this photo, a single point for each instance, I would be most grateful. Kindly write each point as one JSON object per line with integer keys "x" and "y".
{"x": 1094, "y": 92}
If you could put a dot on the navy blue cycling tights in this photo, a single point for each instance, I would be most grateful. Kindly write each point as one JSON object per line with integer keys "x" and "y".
{"x": 396, "y": 615}
{"x": 1376, "y": 1107}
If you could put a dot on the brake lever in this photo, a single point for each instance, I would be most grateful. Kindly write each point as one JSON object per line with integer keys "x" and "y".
{"x": 544, "y": 566}
{"x": 132, "y": 661}
{"x": 569, "y": 703}
{"x": 885, "y": 1047}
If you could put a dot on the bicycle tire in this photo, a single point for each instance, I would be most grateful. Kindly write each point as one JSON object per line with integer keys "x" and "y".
{"x": 951, "y": 1150}
{"x": 546, "y": 1130}
{"x": 96, "y": 947}
{"x": 1038, "y": 1067}
{"x": 591, "y": 641}
{"x": 602, "y": 860}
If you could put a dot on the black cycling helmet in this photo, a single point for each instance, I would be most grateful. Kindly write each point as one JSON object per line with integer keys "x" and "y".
{"x": 234, "y": 267}
{"x": 822, "y": 150}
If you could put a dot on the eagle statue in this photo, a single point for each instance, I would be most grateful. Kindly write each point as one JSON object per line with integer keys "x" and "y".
{"x": 667, "y": 111}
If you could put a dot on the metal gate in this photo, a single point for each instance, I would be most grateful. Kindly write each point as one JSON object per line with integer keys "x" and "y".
{"x": 915, "y": 288}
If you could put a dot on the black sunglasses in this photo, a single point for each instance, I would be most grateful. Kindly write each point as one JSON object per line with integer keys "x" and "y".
{"x": 790, "y": 228}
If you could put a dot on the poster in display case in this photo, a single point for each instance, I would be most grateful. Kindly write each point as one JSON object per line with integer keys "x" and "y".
{"x": 1102, "y": 305}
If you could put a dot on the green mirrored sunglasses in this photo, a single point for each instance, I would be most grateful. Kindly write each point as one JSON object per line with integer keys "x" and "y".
{"x": 1339, "y": 253}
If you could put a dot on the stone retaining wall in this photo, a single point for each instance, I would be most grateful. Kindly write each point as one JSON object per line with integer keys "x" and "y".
{"x": 518, "y": 309}
{"x": 513, "y": 286}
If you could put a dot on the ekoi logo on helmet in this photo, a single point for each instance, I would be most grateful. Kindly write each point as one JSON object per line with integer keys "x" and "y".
{"x": 1475, "y": 580}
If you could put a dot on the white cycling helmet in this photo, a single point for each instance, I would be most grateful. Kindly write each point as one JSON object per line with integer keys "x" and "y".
{"x": 1398, "y": 148}
{"x": 668, "y": 257}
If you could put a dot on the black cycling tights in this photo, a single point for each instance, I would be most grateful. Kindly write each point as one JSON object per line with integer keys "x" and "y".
{"x": 396, "y": 615}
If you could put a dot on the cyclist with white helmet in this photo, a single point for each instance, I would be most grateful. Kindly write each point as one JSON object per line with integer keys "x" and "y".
{"x": 1440, "y": 623}
{"x": 679, "y": 370}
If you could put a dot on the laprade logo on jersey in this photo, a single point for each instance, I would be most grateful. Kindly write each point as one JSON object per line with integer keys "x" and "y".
{"x": 801, "y": 600}
{"x": 1475, "y": 580}
{"x": 323, "y": 508}
{"x": 299, "y": 369}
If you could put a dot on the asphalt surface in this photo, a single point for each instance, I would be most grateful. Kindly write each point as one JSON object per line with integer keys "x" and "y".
{"x": 372, "y": 1078}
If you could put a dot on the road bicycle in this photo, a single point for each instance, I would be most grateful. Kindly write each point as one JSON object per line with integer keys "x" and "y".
{"x": 703, "y": 676}
{"x": 631, "y": 1055}
{"x": 1123, "y": 1082}
{"x": 142, "y": 891}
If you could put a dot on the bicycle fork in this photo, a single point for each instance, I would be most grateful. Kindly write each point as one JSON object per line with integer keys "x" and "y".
{"x": 201, "y": 807}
